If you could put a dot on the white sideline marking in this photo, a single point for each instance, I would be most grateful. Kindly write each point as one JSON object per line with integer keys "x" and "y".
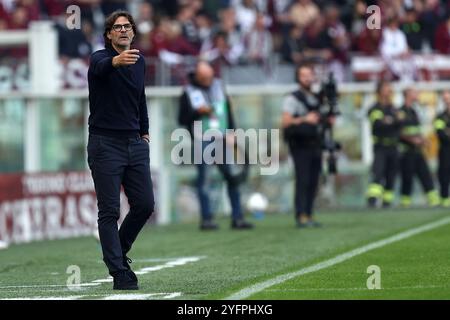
{"x": 171, "y": 262}
{"x": 258, "y": 287}
{"x": 34, "y": 286}
{"x": 357, "y": 289}
{"x": 152, "y": 259}
{"x": 46, "y": 298}
{"x": 141, "y": 296}
{"x": 131, "y": 296}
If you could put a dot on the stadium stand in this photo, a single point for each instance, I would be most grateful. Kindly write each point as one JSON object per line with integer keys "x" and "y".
{"x": 242, "y": 34}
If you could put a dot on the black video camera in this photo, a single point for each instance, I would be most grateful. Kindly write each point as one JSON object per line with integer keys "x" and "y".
{"x": 329, "y": 108}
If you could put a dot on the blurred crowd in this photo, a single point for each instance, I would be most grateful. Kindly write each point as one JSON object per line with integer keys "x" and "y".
{"x": 236, "y": 32}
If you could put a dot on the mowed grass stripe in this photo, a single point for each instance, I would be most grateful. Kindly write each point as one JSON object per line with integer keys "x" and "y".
{"x": 415, "y": 268}
{"x": 258, "y": 287}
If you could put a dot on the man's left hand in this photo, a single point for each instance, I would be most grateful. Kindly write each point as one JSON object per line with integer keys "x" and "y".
{"x": 146, "y": 137}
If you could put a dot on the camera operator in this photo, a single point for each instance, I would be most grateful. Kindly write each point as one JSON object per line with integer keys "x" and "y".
{"x": 303, "y": 131}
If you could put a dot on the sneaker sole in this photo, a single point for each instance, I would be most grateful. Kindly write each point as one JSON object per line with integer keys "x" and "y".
{"x": 127, "y": 288}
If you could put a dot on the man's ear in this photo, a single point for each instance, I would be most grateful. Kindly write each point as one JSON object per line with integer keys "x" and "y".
{"x": 109, "y": 35}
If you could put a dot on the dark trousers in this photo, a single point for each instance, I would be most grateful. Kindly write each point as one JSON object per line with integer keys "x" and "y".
{"x": 202, "y": 189}
{"x": 116, "y": 162}
{"x": 308, "y": 166}
{"x": 444, "y": 171}
{"x": 385, "y": 166}
{"x": 413, "y": 163}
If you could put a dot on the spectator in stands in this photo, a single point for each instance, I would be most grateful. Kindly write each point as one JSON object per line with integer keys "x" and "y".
{"x": 143, "y": 43}
{"x": 303, "y": 12}
{"x": 87, "y": 8}
{"x": 55, "y": 8}
{"x": 204, "y": 26}
{"x": 368, "y": 42}
{"x": 340, "y": 41}
{"x": 258, "y": 42}
{"x": 213, "y": 8}
{"x": 3, "y": 13}
{"x": 167, "y": 37}
{"x": 318, "y": 42}
{"x": 359, "y": 21}
{"x": 159, "y": 36}
{"x": 32, "y": 8}
{"x": 177, "y": 43}
{"x": 178, "y": 53}
{"x": 246, "y": 13}
{"x": 196, "y": 5}
{"x": 74, "y": 43}
{"x": 228, "y": 25}
{"x": 389, "y": 8}
{"x": 168, "y": 8}
{"x": 144, "y": 21}
{"x": 442, "y": 37}
{"x": 4, "y": 9}
{"x": 218, "y": 52}
{"x": 293, "y": 47}
{"x": 278, "y": 10}
{"x": 186, "y": 18}
{"x": 395, "y": 51}
{"x": 19, "y": 19}
{"x": 430, "y": 18}
{"x": 3, "y": 24}
{"x": 413, "y": 30}
{"x": 109, "y": 6}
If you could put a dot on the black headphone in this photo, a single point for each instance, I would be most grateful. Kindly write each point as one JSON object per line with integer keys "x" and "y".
{"x": 296, "y": 74}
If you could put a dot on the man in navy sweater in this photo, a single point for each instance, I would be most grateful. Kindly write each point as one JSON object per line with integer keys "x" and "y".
{"x": 118, "y": 146}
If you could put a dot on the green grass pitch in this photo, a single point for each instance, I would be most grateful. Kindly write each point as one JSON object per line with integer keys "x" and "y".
{"x": 219, "y": 264}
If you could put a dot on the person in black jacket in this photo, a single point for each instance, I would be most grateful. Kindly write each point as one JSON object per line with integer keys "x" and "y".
{"x": 442, "y": 127}
{"x": 204, "y": 103}
{"x": 412, "y": 159}
{"x": 386, "y": 126}
{"x": 301, "y": 121}
{"x": 118, "y": 146}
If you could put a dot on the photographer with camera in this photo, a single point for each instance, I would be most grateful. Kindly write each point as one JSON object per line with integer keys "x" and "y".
{"x": 305, "y": 130}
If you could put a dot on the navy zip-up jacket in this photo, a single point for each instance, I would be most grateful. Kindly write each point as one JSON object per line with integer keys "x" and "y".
{"x": 117, "y": 102}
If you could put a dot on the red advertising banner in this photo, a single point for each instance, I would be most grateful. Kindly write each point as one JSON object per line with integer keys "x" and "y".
{"x": 48, "y": 206}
